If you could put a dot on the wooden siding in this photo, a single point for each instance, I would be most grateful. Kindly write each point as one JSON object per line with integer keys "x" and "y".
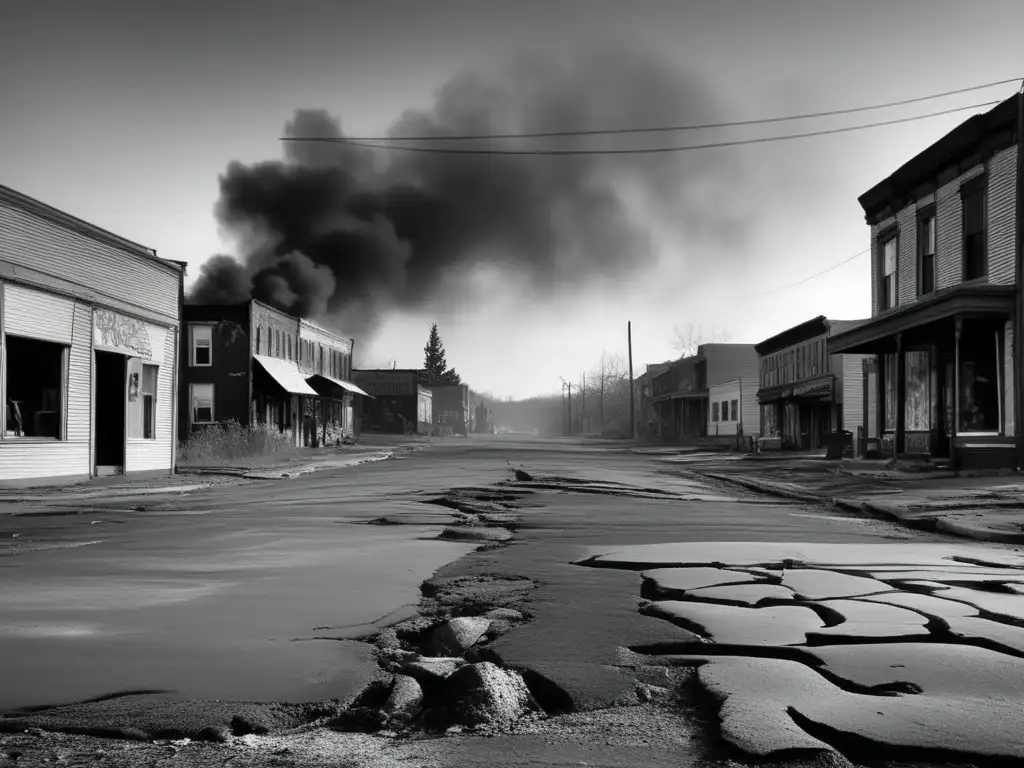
{"x": 141, "y": 454}
{"x": 948, "y": 234}
{"x": 906, "y": 259}
{"x": 1002, "y": 182}
{"x": 79, "y": 399}
{"x": 724, "y": 392}
{"x": 853, "y": 391}
{"x": 31, "y": 241}
{"x": 37, "y": 314}
{"x": 726, "y": 362}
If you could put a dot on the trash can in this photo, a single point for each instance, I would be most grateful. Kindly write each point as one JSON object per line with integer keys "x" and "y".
{"x": 835, "y": 444}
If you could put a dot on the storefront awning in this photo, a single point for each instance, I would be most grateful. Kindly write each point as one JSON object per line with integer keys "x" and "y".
{"x": 818, "y": 388}
{"x": 967, "y": 299}
{"x": 286, "y": 374}
{"x": 346, "y": 385}
{"x": 685, "y": 394}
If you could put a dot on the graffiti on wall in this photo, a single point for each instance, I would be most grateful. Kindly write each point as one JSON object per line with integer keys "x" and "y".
{"x": 119, "y": 332}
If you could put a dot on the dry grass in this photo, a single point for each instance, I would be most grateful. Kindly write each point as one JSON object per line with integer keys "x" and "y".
{"x": 231, "y": 442}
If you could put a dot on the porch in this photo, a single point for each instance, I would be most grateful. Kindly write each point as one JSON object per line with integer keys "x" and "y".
{"x": 800, "y": 415}
{"x": 941, "y": 383}
{"x": 681, "y": 415}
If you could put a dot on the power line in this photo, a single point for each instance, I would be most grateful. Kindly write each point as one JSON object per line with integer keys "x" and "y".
{"x": 812, "y": 277}
{"x": 642, "y": 150}
{"x": 675, "y": 128}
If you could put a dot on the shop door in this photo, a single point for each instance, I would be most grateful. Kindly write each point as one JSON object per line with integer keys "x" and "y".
{"x": 111, "y": 399}
{"x": 942, "y": 435}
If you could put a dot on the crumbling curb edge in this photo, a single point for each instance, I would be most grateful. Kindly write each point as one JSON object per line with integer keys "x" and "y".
{"x": 940, "y": 521}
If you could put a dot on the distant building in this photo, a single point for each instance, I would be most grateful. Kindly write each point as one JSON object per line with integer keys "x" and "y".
{"x": 483, "y": 424}
{"x": 647, "y": 421}
{"x": 88, "y": 348}
{"x": 453, "y": 414}
{"x": 710, "y": 394}
{"x": 805, "y": 392}
{"x": 401, "y": 404}
{"x": 254, "y": 364}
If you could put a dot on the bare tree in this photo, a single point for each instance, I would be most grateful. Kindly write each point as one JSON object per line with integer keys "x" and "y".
{"x": 690, "y": 337}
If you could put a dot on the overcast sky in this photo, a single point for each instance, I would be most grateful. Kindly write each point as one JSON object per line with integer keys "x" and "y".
{"x": 127, "y": 113}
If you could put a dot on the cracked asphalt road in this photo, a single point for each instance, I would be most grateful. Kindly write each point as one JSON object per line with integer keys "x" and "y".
{"x": 280, "y": 558}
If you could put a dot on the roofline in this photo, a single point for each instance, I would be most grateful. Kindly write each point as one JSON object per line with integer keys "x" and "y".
{"x": 42, "y": 210}
{"x": 322, "y": 329}
{"x": 970, "y": 143}
{"x": 795, "y": 333}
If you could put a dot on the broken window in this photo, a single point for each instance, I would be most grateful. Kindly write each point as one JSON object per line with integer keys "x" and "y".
{"x": 980, "y": 374}
{"x": 142, "y": 381}
{"x": 202, "y": 403}
{"x": 35, "y": 388}
{"x": 202, "y": 345}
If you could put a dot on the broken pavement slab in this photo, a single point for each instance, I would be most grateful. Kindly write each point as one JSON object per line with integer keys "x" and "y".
{"x": 773, "y": 705}
{"x": 735, "y": 625}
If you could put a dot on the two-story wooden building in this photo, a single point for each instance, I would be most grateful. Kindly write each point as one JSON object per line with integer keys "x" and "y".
{"x": 805, "y": 393}
{"x": 401, "y": 401}
{"x": 712, "y": 393}
{"x": 254, "y": 364}
{"x": 88, "y": 348}
{"x": 943, "y": 288}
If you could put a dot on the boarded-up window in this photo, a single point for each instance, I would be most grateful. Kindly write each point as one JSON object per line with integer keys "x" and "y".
{"x": 918, "y": 391}
{"x": 890, "y": 391}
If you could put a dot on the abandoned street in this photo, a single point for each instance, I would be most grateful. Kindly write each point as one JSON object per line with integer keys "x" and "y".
{"x": 648, "y": 614}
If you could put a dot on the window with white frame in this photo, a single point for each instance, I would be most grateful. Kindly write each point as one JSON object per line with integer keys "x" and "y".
{"x": 725, "y": 410}
{"x": 142, "y": 383}
{"x": 735, "y": 411}
{"x": 714, "y": 411}
{"x": 202, "y": 403}
{"x": 202, "y": 345}
{"x": 888, "y": 298}
{"x": 35, "y": 388}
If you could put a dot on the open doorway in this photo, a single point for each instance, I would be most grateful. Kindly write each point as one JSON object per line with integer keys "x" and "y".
{"x": 110, "y": 413}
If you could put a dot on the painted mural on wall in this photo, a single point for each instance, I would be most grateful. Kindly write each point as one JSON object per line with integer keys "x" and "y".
{"x": 116, "y": 331}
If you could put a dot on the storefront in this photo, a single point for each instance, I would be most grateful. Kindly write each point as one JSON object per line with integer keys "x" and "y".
{"x": 942, "y": 385}
{"x": 88, "y": 349}
{"x": 802, "y": 414}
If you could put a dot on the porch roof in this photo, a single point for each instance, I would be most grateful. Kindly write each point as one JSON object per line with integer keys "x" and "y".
{"x": 682, "y": 394}
{"x": 814, "y": 388}
{"x": 286, "y": 374}
{"x": 346, "y": 385}
{"x": 974, "y": 299}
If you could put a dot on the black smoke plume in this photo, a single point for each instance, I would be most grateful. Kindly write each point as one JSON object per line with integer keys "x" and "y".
{"x": 350, "y": 233}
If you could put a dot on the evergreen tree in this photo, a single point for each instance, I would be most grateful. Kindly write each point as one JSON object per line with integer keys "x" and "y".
{"x": 434, "y": 363}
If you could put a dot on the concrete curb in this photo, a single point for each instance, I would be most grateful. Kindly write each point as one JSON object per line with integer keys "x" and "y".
{"x": 940, "y": 520}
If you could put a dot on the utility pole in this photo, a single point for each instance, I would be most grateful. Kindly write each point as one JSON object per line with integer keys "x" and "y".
{"x": 1018, "y": 318}
{"x": 632, "y": 403}
{"x": 583, "y": 404}
{"x": 568, "y": 386}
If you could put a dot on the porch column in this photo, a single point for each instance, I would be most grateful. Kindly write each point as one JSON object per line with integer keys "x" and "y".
{"x": 901, "y": 396}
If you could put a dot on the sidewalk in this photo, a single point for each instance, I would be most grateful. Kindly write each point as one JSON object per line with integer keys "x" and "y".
{"x": 980, "y": 508}
{"x": 193, "y": 478}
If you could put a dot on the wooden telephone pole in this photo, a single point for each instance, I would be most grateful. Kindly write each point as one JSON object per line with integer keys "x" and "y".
{"x": 632, "y": 402}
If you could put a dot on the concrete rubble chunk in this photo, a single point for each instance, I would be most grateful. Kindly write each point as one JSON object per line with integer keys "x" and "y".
{"x": 486, "y": 694}
{"x": 406, "y": 698}
{"x": 456, "y": 636}
{"x": 431, "y": 669}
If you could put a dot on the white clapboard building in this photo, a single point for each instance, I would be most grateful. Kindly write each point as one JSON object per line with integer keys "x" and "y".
{"x": 88, "y": 348}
